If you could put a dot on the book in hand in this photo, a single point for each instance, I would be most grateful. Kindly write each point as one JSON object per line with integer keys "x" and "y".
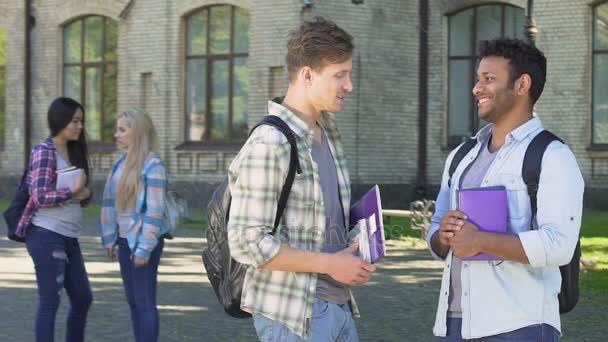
{"x": 486, "y": 208}
{"x": 366, "y": 226}
{"x": 66, "y": 178}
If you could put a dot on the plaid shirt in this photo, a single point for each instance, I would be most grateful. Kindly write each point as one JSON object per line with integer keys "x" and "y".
{"x": 256, "y": 177}
{"x": 41, "y": 179}
{"x": 148, "y": 222}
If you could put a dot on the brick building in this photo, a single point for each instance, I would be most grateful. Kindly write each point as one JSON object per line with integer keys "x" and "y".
{"x": 204, "y": 70}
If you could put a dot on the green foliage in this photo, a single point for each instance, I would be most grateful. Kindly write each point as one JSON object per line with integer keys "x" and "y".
{"x": 398, "y": 228}
{"x": 594, "y": 245}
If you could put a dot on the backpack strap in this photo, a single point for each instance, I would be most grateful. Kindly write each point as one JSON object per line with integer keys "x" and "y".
{"x": 294, "y": 162}
{"x": 531, "y": 168}
{"x": 462, "y": 151}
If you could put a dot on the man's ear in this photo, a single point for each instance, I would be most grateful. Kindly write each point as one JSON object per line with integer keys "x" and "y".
{"x": 306, "y": 75}
{"x": 523, "y": 84}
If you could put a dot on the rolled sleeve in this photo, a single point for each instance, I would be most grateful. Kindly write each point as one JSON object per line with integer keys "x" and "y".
{"x": 560, "y": 206}
{"x": 533, "y": 247}
{"x": 256, "y": 177}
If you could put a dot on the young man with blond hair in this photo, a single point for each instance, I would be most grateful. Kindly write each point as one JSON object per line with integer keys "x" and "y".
{"x": 298, "y": 283}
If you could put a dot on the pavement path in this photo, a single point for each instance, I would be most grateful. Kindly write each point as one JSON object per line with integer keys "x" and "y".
{"x": 397, "y": 305}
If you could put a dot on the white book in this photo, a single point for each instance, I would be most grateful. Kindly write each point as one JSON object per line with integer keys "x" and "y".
{"x": 66, "y": 178}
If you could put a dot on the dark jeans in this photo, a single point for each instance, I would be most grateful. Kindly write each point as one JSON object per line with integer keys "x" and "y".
{"x": 140, "y": 289}
{"x": 59, "y": 264}
{"x": 533, "y": 333}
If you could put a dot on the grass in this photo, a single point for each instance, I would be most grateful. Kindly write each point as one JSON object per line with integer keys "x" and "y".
{"x": 594, "y": 245}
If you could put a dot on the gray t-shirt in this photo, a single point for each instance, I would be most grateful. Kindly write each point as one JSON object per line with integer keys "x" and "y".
{"x": 472, "y": 178}
{"x": 65, "y": 218}
{"x": 336, "y": 240}
{"x": 123, "y": 217}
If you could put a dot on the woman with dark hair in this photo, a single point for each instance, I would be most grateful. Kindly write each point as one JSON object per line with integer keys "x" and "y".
{"x": 52, "y": 221}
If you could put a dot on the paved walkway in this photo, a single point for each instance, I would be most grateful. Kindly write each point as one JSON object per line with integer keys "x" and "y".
{"x": 397, "y": 305}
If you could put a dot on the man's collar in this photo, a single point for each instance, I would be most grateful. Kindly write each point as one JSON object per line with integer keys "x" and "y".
{"x": 297, "y": 125}
{"x": 518, "y": 133}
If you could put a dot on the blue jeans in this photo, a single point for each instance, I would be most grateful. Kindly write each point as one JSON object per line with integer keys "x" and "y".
{"x": 533, "y": 333}
{"x": 140, "y": 289}
{"x": 330, "y": 322}
{"x": 59, "y": 264}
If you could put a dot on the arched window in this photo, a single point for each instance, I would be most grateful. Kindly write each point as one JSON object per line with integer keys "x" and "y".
{"x": 600, "y": 75}
{"x": 2, "y": 84}
{"x": 466, "y": 29}
{"x": 89, "y": 72}
{"x": 216, "y": 90}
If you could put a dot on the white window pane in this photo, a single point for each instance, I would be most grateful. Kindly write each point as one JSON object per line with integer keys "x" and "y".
{"x": 93, "y": 103}
{"x": 488, "y": 23}
{"x": 601, "y": 26}
{"x": 515, "y": 20}
{"x": 219, "y": 30}
{"x": 241, "y": 30}
{"x": 461, "y": 25}
{"x": 460, "y": 98}
{"x": 71, "y": 82}
{"x": 219, "y": 100}
{"x": 600, "y": 99}
{"x": 196, "y": 99}
{"x": 197, "y": 33}
{"x": 240, "y": 89}
{"x": 93, "y": 44}
{"x": 72, "y": 36}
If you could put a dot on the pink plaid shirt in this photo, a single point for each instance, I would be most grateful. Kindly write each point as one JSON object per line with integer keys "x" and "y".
{"x": 41, "y": 179}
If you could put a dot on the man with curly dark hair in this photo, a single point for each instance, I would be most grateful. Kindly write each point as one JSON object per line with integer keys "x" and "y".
{"x": 514, "y": 297}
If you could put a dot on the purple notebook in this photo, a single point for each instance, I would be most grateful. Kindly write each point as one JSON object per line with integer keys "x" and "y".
{"x": 369, "y": 208}
{"x": 487, "y": 209}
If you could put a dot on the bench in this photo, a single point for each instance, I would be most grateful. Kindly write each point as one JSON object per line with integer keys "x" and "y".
{"x": 396, "y": 213}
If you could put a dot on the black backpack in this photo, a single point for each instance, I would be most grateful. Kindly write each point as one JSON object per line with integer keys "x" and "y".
{"x": 530, "y": 171}
{"x": 13, "y": 213}
{"x": 226, "y": 274}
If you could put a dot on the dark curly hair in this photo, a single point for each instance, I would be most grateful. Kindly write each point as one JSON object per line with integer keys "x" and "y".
{"x": 315, "y": 43}
{"x": 523, "y": 59}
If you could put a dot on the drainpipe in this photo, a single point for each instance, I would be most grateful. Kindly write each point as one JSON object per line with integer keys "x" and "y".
{"x": 530, "y": 28}
{"x": 29, "y": 23}
{"x": 421, "y": 186}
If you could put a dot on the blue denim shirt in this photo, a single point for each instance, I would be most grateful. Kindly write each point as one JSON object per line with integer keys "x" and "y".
{"x": 501, "y": 297}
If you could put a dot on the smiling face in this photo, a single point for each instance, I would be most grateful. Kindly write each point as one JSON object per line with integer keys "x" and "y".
{"x": 494, "y": 92}
{"x": 329, "y": 86}
{"x": 72, "y": 131}
{"x": 123, "y": 134}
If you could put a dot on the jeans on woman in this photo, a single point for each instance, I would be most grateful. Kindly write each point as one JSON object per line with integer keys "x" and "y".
{"x": 140, "y": 289}
{"x": 59, "y": 264}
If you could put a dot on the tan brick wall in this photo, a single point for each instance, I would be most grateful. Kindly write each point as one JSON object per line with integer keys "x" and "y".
{"x": 379, "y": 125}
{"x": 12, "y": 21}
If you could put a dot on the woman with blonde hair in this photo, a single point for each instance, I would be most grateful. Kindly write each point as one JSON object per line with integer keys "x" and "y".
{"x": 133, "y": 217}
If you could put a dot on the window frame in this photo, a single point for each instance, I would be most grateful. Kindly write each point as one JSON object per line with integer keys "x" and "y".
{"x": 3, "y": 72}
{"x": 83, "y": 66}
{"x": 473, "y": 58}
{"x": 595, "y": 52}
{"x": 228, "y": 142}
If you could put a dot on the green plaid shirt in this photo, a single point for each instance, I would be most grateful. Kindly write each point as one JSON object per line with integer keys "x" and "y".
{"x": 256, "y": 176}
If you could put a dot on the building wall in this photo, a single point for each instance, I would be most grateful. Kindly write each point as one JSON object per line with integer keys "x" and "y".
{"x": 565, "y": 106}
{"x": 379, "y": 125}
{"x": 11, "y": 153}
